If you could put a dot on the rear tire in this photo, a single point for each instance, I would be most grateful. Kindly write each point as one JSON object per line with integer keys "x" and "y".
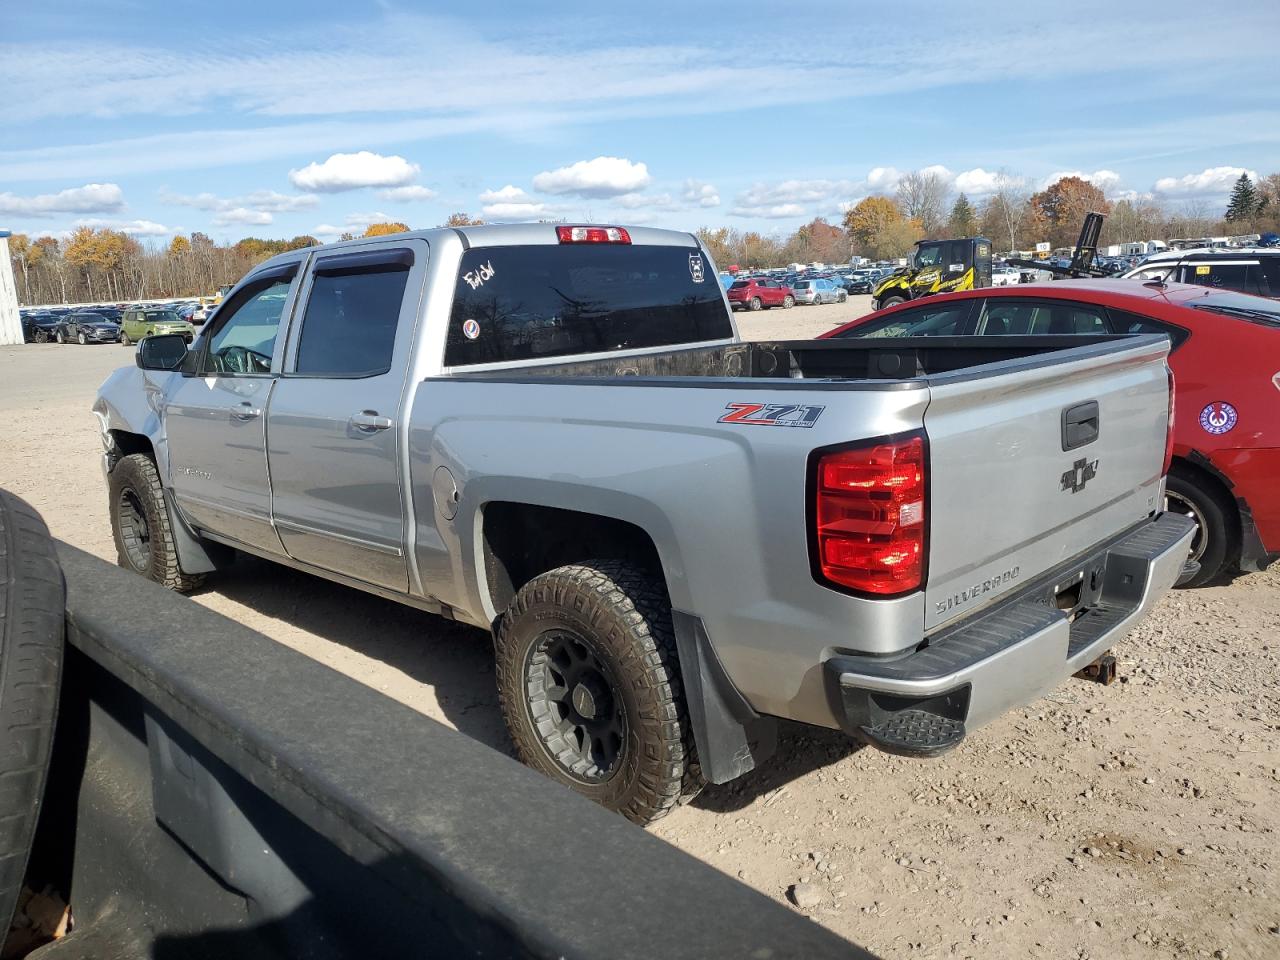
{"x": 140, "y": 524}
{"x": 755, "y": 304}
{"x": 1217, "y": 541}
{"x": 589, "y": 682}
{"x": 33, "y": 608}
{"x": 58, "y": 336}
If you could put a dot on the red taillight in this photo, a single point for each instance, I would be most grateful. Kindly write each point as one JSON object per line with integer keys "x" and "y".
{"x": 869, "y": 510}
{"x": 1168, "y": 438}
{"x": 593, "y": 235}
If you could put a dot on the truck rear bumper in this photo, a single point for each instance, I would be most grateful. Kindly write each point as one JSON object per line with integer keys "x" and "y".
{"x": 924, "y": 702}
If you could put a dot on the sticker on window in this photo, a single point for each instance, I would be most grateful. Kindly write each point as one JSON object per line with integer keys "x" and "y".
{"x": 695, "y": 267}
{"x": 471, "y": 329}
{"x": 476, "y": 278}
{"x": 1202, "y": 271}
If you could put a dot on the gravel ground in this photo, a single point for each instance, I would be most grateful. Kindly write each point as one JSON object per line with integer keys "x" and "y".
{"x": 1137, "y": 820}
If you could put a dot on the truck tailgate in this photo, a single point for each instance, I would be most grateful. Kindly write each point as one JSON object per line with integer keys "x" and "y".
{"x": 1007, "y": 500}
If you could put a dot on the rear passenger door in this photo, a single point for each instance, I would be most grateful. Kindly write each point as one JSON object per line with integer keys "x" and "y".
{"x": 1021, "y": 316}
{"x": 335, "y": 426}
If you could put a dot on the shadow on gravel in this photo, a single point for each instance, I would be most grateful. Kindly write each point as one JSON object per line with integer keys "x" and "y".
{"x": 454, "y": 660}
{"x": 801, "y": 750}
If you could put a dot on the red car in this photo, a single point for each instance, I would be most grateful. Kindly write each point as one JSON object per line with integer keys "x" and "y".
{"x": 1226, "y": 368}
{"x": 756, "y": 293}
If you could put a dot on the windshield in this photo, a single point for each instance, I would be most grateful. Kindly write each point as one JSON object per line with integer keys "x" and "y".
{"x": 161, "y": 316}
{"x": 528, "y": 302}
{"x": 929, "y": 255}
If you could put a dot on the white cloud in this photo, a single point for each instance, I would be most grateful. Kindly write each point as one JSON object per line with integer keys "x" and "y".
{"x": 411, "y": 194}
{"x": 601, "y": 177}
{"x": 91, "y": 198}
{"x": 938, "y": 170}
{"x": 269, "y": 201}
{"x": 351, "y": 171}
{"x": 134, "y": 228}
{"x": 508, "y": 194}
{"x": 507, "y": 212}
{"x": 649, "y": 201}
{"x": 703, "y": 194}
{"x": 242, "y": 215}
{"x": 977, "y": 182}
{"x": 883, "y": 179}
{"x": 1104, "y": 180}
{"x": 1213, "y": 182}
{"x": 356, "y": 223}
{"x": 786, "y": 199}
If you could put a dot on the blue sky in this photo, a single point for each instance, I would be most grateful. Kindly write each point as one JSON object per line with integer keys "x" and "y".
{"x": 273, "y": 119}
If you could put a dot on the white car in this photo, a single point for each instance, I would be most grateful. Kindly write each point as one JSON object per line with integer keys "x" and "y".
{"x": 1005, "y": 276}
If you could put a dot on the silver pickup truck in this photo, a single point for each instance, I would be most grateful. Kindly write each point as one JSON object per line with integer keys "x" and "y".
{"x": 675, "y": 537}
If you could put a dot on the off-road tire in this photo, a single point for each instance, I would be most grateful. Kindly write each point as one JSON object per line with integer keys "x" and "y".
{"x": 756, "y": 304}
{"x": 1216, "y": 516}
{"x": 625, "y": 615}
{"x": 32, "y": 618}
{"x": 788, "y": 302}
{"x": 891, "y": 302}
{"x": 137, "y": 473}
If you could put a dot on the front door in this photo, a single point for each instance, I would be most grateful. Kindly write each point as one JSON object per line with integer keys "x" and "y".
{"x": 335, "y": 423}
{"x": 215, "y": 417}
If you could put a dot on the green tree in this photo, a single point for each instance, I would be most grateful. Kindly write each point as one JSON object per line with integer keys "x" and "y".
{"x": 1244, "y": 203}
{"x": 963, "y": 221}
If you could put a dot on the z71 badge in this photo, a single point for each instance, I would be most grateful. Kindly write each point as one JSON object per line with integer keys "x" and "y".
{"x": 772, "y": 414}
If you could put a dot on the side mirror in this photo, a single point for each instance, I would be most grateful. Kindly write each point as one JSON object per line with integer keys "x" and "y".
{"x": 165, "y": 352}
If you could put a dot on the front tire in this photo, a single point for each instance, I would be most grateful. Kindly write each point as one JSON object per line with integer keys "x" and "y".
{"x": 58, "y": 336}
{"x": 81, "y": 339}
{"x": 1217, "y": 541}
{"x": 589, "y": 682}
{"x": 842, "y": 298}
{"x": 140, "y": 524}
{"x": 124, "y": 338}
{"x": 891, "y": 302}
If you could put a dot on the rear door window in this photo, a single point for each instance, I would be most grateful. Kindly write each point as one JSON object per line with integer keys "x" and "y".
{"x": 349, "y": 327}
{"x": 1122, "y": 321}
{"x": 933, "y": 320}
{"x": 1020, "y": 317}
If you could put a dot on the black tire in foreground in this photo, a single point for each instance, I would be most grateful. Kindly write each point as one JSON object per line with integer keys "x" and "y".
{"x": 140, "y": 523}
{"x": 1217, "y": 541}
{"x": 33, "y": 604}
{"x": 589, "y": 682}
{"x": 890, "y": 302}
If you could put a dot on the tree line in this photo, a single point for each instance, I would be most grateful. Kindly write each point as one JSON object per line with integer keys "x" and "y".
{"x": 108, "y": 265}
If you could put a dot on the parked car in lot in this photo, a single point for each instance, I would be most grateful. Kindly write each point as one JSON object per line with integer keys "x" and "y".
{"x": 1255, "y": 271}
{"x": 818, "y": 291}
{"x": 86, "y": 328}
{"x": 1226, "y": 368}
{"x": 39, "y": 327}
{"x": 757, "y": 293}
{"x": 1005, "y": 276}
{"x": 675, "y": 536}
{"x": 145, "y": 323}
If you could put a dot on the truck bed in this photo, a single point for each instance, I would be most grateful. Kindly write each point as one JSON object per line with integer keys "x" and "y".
{"x": 877, "y": 363}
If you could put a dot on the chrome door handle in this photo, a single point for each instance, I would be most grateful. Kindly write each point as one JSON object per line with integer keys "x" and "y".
{"x": 369, "y": 421}
{"x": 245, "y": 411}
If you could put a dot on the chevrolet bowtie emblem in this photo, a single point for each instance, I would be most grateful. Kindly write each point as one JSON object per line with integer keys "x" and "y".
{"x": 1081, "y": 472}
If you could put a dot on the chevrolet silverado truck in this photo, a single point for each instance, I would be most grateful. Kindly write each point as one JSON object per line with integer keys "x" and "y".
{"x": 554, "y": 433}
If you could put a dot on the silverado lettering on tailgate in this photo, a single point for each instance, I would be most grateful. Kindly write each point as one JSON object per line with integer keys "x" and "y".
{"x": 977, "y": 590}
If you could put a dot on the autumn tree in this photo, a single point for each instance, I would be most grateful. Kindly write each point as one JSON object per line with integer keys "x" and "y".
{"x": 817, "y": 241}
{"x": 179, "y": 246}
{"x": 462, "y": 220}
{"x": 385, "y": 229}
{"x": 1244, "y": 203}
{"x": 717, "y": 243}
{"x": 868, "y": 217}
{"x": 1059, "y": 209}
{"x": 301, "y": 242}
{"x": 963, "y": 221}
{"x": 922, "y": 195}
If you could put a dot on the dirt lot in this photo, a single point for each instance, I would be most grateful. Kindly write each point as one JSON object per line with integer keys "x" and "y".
{"x": 1132, "y": 821}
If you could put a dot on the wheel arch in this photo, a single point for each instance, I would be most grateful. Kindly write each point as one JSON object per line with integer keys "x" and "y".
{"x": 1197, "y": 465}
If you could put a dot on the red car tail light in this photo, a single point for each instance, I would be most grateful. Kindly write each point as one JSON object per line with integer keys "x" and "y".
{"x": 593, "y": 235}
{"x": 1168, "y": 438}
{"x": 869, "y": 516}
